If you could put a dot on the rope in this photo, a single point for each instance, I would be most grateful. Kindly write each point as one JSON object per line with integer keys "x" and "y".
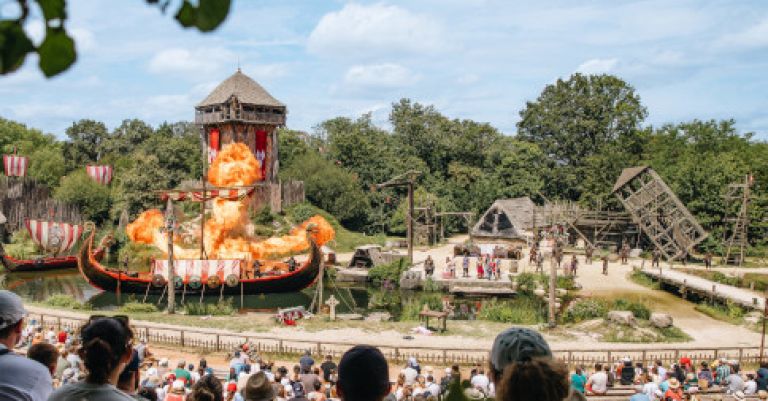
{"x": 165, "y": 288}
{"x": 347, "y": 304}
{"x": 146, "y": 294}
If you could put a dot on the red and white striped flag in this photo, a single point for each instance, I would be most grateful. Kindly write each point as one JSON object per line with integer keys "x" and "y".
{"x": 15, "y": 166}
{"x": 100, "y": 174}
{"x": 53, "y": 236}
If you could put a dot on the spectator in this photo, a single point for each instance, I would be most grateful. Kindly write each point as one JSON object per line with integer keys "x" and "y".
{"x": 46, "y": 354}
{"x": 22, "y": 379}
{"x": 51, "y": 336}
{"x": 106, "y": 349}
{"x": 363, "y": 375}
{"x": 598, "y": 382}
{"x": 409, "y": 374}
{"x": 639, "y": 394}
{"x": 316, "y": 394}
{"x": 62, "y": 362}
{"x": 208, "y": 388}
{"x": 182, "y": 374}
{"x": 306, "y": 362}
{"x": 432, "y": 388}
{"x": 650, "y": 387}
{"x": 734, "y": 382}
{"x": 299, "y": 394}
{"x": 147, "y": 394}
{"x": 750, "y": 386}
{"x": 705, "y": 376}
{"x": 309, "y": 380}
{"x": 660, "y": 371}
{"x": 722, "y": 371}
{"x": 674, "y": 392}
{"x": 578, "y": 381}
{"x": 204, "y": 365}
{"x": 481, "y": 381}
{"x": 762, "y": 376}
{"x": 61, "y": 336}
{"x": 627, "y": 373}
{"x": 177, "y": 392}
{"x": 327, "y": 367}
{"x": 258, "y": 388}
{"x": 128, "y": 382}
{"x": 522, "y": 369}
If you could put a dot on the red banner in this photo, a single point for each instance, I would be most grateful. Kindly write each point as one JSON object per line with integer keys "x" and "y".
{"x": 100, "y": 174}
{"x": 213, "y": 144}
{"x": 15, "y": 166}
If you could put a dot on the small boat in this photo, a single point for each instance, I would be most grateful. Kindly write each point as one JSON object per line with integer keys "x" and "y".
{"x": 149, "y": 283}
{"x": 60, "y": 237}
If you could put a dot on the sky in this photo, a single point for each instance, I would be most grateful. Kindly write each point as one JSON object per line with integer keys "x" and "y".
{"x": 471, "y": 59}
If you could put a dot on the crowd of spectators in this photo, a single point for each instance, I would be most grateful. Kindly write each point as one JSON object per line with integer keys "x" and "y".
{"x": 103, "y": 361}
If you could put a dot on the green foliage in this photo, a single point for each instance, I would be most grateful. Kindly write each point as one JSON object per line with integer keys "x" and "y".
{"x": 390, "y": 271}
{"x": 522, "y": 310}
{"x": 727, "y": 313}
{"x": 57, "y": 51}
{"x": 22, "y": 246}
{"x": 138, "y": 307}
{"x": 579, "y": 121}
{"x": 92, "y": 198}
{"x": 139, "y": 255}
{"x": 412, "y": 306}
{"x": 526, "y": 282}
{"x": 643, "y": 279}
{"x": 221, "y": 308}
{"x": 430, "y": 285}
{"x": 638, "y": 308}
{"x": 586, "y": 309}
{"x": 65, "y": 301}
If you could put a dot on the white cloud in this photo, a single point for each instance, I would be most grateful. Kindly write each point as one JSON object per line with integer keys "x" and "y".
{"x": 597, "y": 66}
{"x": 387, "y": 75}
{"x": 83, "y": 38}
{"x": 198, "y": 61}
{"x": 263, "y": 72}
{"x": 750, "y": 38}
{"x": 358, "y": 30}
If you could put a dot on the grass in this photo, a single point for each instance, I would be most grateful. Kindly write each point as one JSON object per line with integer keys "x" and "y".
{"x": 345, "y": 240}
{"x": 65, "y": 302}
{"x": 221, "y": 308}
{"x": 643, "y": 333}
{"x": 730, "y": 314}
{"x": 522, "y": 310}
{"x": 749, "y": 280}
{"x": 641, "y": 278}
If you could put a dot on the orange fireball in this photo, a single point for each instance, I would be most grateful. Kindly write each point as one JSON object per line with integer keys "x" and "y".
{"x": 234, "y": 166}
{"x": 143, "y": 229}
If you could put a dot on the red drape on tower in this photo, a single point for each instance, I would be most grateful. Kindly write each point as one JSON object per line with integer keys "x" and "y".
{"x": 213, "y": 144}
{"x": 261, "y": 151}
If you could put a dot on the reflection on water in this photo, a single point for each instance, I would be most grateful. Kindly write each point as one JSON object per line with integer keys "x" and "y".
{"x": 40, "y": 286}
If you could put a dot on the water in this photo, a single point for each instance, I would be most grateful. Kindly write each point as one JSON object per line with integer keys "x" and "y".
{"x": 40, "y": 286}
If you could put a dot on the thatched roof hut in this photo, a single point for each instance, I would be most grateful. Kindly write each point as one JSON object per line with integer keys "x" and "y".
{"x": 506, "y": 219}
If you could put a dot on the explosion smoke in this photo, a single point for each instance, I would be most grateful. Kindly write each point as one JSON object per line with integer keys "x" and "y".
{"x": 225, "y": 235}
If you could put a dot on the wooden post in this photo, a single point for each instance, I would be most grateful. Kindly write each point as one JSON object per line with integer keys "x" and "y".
{"x": 762, "y": 337}
{"x": 169, "y": 227}
{"x": 410, "y": 222}
{"x": 552, "y": 284}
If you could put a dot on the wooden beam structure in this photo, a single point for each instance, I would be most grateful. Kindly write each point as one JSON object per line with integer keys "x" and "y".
{"x": 658, "y": 212}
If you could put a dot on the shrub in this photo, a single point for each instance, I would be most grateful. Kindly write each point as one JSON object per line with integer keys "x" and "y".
{"x": 65, "y": 301}
{"x": 523, "y": 310}
{"x": 413, "y": 306}
{"x": 526, "y": 282}
{"x": 586, "y": 309}
{"x": 638, "y": 308}
{"x": 642, "y": 279}
{"x": 138, "y": 307}
{"x": 430, "y": 285}
{"x": 389, "y": 271}
{"x": 221, "y": 308}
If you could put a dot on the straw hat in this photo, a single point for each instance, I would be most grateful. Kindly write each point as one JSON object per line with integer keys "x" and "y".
{"x": 177, "y": 387}
{"x": 674, "y": 383}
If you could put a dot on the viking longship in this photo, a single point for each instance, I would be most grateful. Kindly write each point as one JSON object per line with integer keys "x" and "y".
{"x": 215, "y": 276}
{"x": 57, "y": 239}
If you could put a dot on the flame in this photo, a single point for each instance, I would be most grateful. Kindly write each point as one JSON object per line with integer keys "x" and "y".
{"x": 234, "y": 166}
{"x": 224, "y": 234}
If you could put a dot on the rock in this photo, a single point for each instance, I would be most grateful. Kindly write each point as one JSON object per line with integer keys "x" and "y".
{"x": 661, "y": 320}
{"x": 561, "y": 292}
{"x": 378, "y": 317}
{"x": 624, "y": 317}
{"x": 349, "y": 316}
{"x": 410, "y": 280}
{"x": 539, "y": 292}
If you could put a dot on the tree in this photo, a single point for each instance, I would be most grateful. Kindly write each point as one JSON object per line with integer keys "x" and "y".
{"x": 578, "y": 118}
{"x": 135, "y": 185}
{"x": 57, "y": 51}
{"x": 92, "y": 198}
{"x": 46, "y": 165}
{"x": 84, "y": 145}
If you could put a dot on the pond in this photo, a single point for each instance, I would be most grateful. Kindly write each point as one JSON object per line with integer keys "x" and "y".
{"x": 402, "y": 305}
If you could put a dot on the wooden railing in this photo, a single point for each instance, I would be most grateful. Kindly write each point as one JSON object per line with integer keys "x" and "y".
{"x": 218, "y": 340}
{"x": 249, "y": 116}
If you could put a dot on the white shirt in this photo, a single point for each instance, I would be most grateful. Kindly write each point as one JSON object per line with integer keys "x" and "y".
{"x": 750, "y": 387}
{"x": 650, "y": 390}
{"x": 433, "y": 388}
{"x": 51, "y": 337}
{"x": 599, "y": 382}
{"x": 662, "y": 373}
{"x": 74, "y": 361}
{"x": 410, "y": 375}
{"x": 480, "y": 382}
{"x": 23, "y": 379}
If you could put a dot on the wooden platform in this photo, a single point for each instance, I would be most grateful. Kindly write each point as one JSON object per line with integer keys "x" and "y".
{"x": 707, "y": 288}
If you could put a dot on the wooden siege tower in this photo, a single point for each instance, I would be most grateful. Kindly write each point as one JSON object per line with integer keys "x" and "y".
{"x": 658, "y": 212}
{"x": 241, "y": 110}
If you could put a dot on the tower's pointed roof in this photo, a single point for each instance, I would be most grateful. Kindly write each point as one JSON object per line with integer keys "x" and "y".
{"x": 244, "y": 88}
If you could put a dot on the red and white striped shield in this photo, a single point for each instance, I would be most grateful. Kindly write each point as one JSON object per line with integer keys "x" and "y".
{"x": 100, "y": 174}
{"x": 15, "y": 166}
{"x": 54, "y": 236}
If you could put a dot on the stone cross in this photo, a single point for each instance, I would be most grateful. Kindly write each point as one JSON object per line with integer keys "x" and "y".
{"x": 332, "y": 302}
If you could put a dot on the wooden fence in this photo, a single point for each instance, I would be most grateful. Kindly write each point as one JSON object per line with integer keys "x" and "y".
{"x": 210, "y": 340}
{"x": 24, "y": 198}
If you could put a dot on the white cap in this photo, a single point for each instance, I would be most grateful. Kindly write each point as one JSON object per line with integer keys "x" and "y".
{"x": 11, "y": 309}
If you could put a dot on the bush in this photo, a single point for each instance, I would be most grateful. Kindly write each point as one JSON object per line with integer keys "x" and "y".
{"x": 21, "y": 246}
{"x": 586, "y": 309}
{"x": 389, "y": 271}
{"x": 430, "y": 285}
{"x": 638, "y": 308}
{"x": 413, "y": 306}
{"x": 65, "y": 301}
{"x": 526, "y": 282}
{"x": 221, "y": 308}
{"x": 138, "y": 307}
{"x": 642, "y": 279}
{"x": 523, "y": 310}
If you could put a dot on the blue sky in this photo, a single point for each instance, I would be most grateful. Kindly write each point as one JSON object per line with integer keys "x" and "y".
{"x": 476, "y": 59}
